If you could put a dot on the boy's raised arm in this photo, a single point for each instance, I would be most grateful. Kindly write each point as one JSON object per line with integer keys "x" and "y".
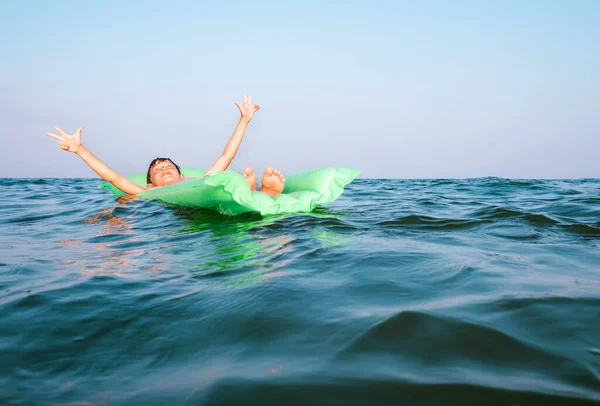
{"x": 72, "y": 143}
{"x": 247, "y": 112}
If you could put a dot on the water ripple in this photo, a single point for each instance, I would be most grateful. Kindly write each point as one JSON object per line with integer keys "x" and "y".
{"x": 423, "y": 291}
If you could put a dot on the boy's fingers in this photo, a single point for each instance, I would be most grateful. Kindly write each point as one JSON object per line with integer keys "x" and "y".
{"x": 61, "y": 132}
{"x": 249, "y": 99}
{"x": 245, "y": 99}
{"x": 79, "y": 130}
{"x": 54, "y": 136}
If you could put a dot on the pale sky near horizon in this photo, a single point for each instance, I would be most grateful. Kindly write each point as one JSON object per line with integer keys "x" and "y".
{"x": 396, "y": 89}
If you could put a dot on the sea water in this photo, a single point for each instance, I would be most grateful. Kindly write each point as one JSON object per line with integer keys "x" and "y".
{"x": 417, "y": 292}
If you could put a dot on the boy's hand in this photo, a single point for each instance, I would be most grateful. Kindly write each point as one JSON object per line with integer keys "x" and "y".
{"x": 248, "y": 109}
{"x": 70, "y": 143}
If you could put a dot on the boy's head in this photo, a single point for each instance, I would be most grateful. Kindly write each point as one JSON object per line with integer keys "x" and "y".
{"x": 162, "y": 172}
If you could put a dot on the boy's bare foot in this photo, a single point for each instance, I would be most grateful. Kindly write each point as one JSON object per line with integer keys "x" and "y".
{"x": 250, "y": 178}
{"x": 272, "y": 182}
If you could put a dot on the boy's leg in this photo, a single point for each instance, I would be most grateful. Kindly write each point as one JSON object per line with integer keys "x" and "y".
{"x": 250, "y": 178}
{"x": 272, "y": 182}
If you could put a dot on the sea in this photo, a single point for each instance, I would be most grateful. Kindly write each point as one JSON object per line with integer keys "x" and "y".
{"x": 478, "y": 291}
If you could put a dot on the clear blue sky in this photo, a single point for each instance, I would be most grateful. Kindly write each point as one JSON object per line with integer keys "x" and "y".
{"x": 397, "y": 89}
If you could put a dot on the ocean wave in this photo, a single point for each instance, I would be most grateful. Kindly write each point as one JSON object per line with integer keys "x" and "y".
{"x": 424, "y": 291}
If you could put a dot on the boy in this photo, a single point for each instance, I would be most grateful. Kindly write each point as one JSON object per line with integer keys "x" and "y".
{"x": 164, "y": 172}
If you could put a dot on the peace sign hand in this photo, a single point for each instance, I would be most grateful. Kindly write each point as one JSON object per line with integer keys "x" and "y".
{"x": 70, "y": 143}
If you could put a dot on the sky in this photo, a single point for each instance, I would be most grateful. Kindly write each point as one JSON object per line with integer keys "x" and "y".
{"x": 396, "y": 89}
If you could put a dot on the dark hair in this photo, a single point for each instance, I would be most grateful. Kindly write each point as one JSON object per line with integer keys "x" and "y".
{"x": 157, "y": 161}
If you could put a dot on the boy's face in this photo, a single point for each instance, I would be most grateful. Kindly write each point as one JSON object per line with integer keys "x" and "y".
{"x": 164, "y": 173}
